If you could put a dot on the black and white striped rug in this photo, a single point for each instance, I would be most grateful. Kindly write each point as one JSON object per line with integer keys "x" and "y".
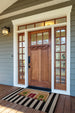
{"x": 48, "y": 106}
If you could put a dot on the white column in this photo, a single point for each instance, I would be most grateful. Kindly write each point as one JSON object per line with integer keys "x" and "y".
{"x": 26, "y": 58}
{"x": 15, "y": 56}
{"x": 52, "y": 52}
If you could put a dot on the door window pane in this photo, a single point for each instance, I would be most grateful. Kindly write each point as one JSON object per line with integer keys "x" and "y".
{"x": 63, "y": 40}
{"x": 63, "y": 64}
{"x": 57, "y": 63}
{"x": 62, "y": 72}
{"x": 57, "y": 40}
{"x": 20, "y": 63}
{"x": 49, "y": 22}
{"x": 57, "y": 79}
{"x": 40, "y": 24}
{"x": 62, "y": 48}
{"x": 23, "y": 62}
{"x": 33, "y": 39}
{"x": 20, "y": 50}
{"x": 45, "y": 37}
{"x": 57, "y": 55}
{"x": 58, "y": 48}
{"x": 30, "y": 26}
{"x": 63, "y": 56}
{"x": 21, "y": 27}
{"x": 58, "y": 33}
{"x": 62, "y": 80}
{"x": 60, "y": 20}
{"x": 57, "y": 71}
{"x": 39, "y": 38}
{"x": 63, "y": 32}
{"x": 20, "y": 44}
{"x": 20, "y": 38}
{"x": 20, "y": 57}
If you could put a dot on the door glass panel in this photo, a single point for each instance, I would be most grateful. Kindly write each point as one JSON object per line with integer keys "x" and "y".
{"x": 58, "y": 33}
{"x": 20, "y": 69}
{"x": 57, "y": 79}
{"x": 57, "y": 71}
{"x": 20, "y": 57}
{"x": 39, "y": 38}
{"x": 20, "y": 50}
{"x": 49, "y": 22}
{"x": 45, "y": 37}
{"x": 62, "y": 80}
{"x": 20, "y": 63}
{"x": 33, "y": 39}
{"x": 57, "y": 55}
{"x": 30, "y": 26}
{"x": 62, "y": 72}
{"x": 20, "y": 76}
{"x": 57, "y": 63}
{"x": 63, "y": 64}
{"x": 21, "y": 27}
{"x": 60, "y": 20}
{"x": 40, "y": 24}
{"x": 58, "y": 48}
{"x": 60, "y": 58}
{"x": 23, "y": 62}
{"x": 63, "y": 56}
{"x": 63, "y": 40}
{"x": 62, "y": 48}
{"x": 20, "y": 44}
{"x": 57, "y": 40}
{"x": 20, "y": 38}
{"x": 23, "y": 44}
{"x": 63, "y": 32}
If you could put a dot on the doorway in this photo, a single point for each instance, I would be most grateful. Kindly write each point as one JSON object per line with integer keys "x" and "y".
{"x": 39, "y": 58}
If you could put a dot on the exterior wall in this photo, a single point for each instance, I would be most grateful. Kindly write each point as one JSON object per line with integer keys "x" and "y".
{"x": 6, "y": 42}
{"x": 6, "y": 60}
{"x": 73, "y": 51}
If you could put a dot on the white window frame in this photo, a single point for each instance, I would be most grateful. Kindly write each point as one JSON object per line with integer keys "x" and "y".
{"x": 36, "y": 18}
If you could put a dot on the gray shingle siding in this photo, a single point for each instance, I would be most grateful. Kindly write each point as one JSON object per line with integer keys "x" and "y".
{"x": 72, "y": 85}
{"x": 6, "y": 59}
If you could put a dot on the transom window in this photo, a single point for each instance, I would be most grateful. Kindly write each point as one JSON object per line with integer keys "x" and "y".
{"x": 43, "y": 23}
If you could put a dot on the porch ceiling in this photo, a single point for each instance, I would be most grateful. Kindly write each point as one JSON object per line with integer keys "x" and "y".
{"x": 4, "y": 4}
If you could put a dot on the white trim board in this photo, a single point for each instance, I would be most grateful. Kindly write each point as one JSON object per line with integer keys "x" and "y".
{"x": 32, "y": 8}
{"x": 36, "y": 18}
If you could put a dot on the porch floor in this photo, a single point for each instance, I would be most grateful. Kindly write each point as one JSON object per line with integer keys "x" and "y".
{"x": 66, "y": 104}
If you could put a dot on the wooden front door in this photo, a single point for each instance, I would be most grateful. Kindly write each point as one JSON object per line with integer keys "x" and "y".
{"x": 39, "y": 58}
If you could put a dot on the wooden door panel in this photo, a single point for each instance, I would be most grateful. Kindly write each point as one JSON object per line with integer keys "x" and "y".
{"x": 45, "y": 65}
{"x": 35, "y": 65}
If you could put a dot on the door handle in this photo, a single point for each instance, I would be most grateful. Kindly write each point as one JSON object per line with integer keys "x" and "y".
{"x": 28, "y": 59}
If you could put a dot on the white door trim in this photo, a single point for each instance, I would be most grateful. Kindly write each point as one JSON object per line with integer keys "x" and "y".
{"x": 36, "y": 18}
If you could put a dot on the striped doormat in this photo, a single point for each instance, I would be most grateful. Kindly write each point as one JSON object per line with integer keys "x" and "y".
{"x": 48, "y": 106}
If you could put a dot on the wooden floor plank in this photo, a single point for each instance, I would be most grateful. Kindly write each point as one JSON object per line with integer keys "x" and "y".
{"x": 60, "y": 104}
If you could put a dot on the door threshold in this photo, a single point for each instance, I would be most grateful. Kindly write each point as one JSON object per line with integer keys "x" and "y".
{"x": 40, "y": 88}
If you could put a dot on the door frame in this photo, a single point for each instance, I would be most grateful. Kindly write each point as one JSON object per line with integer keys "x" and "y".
{"x": 40, "y": 17}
